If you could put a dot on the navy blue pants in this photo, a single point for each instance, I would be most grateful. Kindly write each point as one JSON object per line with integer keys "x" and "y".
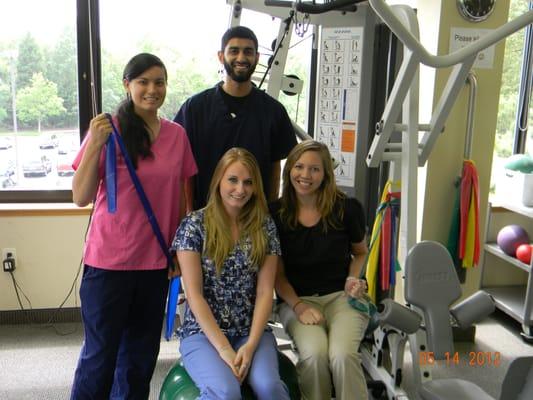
{"x": 122, "y": 314}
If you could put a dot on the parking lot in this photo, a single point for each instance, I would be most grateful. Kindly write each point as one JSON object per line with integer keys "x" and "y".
{"x": 38, "y": 162}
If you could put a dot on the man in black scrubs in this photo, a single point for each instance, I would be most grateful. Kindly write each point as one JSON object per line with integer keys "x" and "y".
{"x": 235, "y": 113}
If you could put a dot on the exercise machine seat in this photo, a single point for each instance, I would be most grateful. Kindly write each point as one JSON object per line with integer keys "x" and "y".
{"x": 518, "y": 381}
{"x": 452, "y": 389}
{"x": 431, "y": 284}
{"x": 517, "y": 385}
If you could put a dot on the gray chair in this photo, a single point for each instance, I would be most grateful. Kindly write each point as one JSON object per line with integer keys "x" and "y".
{"x": 517, "y": 385}
{"x": 431, "y": 286}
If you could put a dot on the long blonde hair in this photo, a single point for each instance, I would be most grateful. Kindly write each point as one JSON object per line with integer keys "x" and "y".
{"x": 250, "y": 221}
{"x": 328, "y": 194}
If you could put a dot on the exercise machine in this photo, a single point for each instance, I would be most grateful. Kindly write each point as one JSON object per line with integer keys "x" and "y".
{"x": 431, "y": 287}
{"x": 345, "y": 40}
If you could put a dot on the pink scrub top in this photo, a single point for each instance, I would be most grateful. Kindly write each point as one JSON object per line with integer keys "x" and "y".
{"x": 125, "y": 240}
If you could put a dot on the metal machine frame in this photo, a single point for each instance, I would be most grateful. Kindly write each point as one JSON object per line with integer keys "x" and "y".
{"x": 414, "y": 152}
{"x": 364, "y": 19}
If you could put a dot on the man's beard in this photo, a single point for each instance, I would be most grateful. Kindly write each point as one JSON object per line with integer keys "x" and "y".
{"x": 240, "y": 77}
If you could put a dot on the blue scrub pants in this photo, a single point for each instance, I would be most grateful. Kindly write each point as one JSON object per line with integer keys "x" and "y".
{"x": 122, "y": 314}
{"x": 216, "y": 380}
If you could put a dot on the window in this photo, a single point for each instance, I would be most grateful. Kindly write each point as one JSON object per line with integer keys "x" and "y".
{"x": 39, "y": 133}
{"x": 507, "y": 125}
{"x": 46, "y": 91}
{"x": 184, "y": 35}
{"x": 297, "y": 63}
{"x": 188, "y": 46}
{"x": 524, "y": 110}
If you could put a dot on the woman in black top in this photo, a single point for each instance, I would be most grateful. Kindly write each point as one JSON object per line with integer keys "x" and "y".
{"x": 322, "y": 234}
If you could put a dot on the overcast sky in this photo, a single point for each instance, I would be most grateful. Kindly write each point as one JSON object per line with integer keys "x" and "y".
{"x": 192, "y": 25}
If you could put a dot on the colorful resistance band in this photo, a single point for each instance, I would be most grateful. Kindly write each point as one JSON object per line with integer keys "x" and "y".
{"x": 469, "y": 246}
{"x": 373, "y": 271}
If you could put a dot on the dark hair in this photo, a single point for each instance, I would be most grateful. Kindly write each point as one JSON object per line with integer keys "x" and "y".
{"x": 133, "y": 128}
{"x": 240, "y": 32}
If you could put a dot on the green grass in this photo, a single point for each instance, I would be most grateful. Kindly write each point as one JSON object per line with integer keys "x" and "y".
{"x": 19, "y": 133}
{"x": 32, "y": 132}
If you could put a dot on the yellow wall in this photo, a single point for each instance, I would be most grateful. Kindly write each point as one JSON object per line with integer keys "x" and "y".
{"x": 49, "y": 248}
{"x": 445, "y": 162}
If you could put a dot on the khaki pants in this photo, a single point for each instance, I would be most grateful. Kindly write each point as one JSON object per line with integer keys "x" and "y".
{"x": 330, "y": 350}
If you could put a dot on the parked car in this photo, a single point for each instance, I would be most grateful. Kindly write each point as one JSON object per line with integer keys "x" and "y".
{"x": 49, "y": 142}
{"x": 67, "y": 146}
{"x": 5, "y": 143}
{"x": 64, "y": 168}
{"x": 7, "y": 171}
{"x": 37, "y": 167}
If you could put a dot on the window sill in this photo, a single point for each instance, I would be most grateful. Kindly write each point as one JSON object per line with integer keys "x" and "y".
{"x": 42, "y": 209}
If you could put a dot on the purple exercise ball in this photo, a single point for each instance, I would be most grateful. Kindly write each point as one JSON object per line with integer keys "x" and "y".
{"x": 510, "y": 237}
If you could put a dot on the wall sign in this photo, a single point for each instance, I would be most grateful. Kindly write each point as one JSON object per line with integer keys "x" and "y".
{"x": 338, "y": 97}
{"x": 461, "y": 37}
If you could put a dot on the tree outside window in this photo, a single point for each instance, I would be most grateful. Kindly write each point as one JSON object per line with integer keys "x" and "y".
{"x": 506, "y": 123}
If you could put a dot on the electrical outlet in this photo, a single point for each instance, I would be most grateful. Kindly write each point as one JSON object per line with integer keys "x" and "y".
{"x": 9, "y": 253}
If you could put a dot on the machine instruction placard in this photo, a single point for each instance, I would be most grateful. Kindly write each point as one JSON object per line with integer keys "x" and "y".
{"x": 339, "y": 82}
{"x": 461, "y": 37}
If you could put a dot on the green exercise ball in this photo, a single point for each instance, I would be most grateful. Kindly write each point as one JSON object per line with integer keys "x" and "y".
{"x": 519, "y": 162}
{"x": 178, "y": 385}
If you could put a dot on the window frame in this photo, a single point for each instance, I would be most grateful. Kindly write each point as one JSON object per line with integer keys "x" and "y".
{"x": 87, "y": 39}
{"x": 525, "y": 92}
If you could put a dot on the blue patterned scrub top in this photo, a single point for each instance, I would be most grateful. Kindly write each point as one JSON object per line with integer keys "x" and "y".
{"x": 231, "y": 296}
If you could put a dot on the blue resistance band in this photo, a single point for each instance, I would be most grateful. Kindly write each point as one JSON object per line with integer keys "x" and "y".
{"x": 111, "y": 174}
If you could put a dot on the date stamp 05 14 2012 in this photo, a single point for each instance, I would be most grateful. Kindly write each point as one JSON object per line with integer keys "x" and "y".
{"x": 472, "y": 359}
